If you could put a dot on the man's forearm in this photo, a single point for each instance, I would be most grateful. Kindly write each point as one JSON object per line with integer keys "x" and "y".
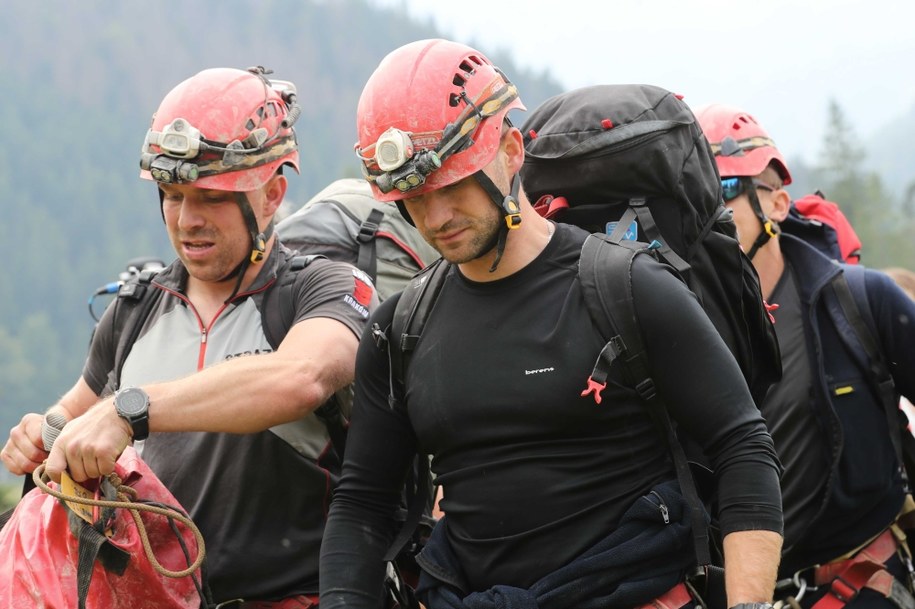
{"x": 251, "y": 394}
{"x": 246, "y": 395}
{"x": 751, "y": 565}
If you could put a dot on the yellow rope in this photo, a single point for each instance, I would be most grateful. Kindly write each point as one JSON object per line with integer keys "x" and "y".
{"x": 127, "y": 497}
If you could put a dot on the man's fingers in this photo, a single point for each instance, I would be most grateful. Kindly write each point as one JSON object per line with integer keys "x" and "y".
{"x": 17, "y": 463}
{"x": 21, "y": 454}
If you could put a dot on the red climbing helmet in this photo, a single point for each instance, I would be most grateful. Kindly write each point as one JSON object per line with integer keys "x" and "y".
{"x": 741, "y": 146}
{"x": 224, "y": 129}
{"x": 430, "y": 115}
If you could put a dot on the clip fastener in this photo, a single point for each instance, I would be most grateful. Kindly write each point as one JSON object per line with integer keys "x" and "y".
{"x": 594, "y": 388}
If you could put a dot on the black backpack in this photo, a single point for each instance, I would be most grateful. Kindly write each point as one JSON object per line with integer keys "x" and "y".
{"x": 630, "y": 164}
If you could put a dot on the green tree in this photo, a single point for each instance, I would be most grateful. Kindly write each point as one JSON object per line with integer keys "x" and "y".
{"x": 882, "y": 227}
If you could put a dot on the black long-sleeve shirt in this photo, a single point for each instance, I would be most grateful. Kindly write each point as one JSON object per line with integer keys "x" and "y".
{"x": 533, "y": 473}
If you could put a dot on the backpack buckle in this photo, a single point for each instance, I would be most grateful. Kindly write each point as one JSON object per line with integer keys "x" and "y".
{"x": 367, "y": 231}
{"x": 379, "y": 336}
{"x": 594, "y": 388}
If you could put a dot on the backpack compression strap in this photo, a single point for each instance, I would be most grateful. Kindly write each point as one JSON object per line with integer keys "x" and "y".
{"x": 638, "y": 209}
{"x": 605, "y": 271}
{"x": 367, "y": 261}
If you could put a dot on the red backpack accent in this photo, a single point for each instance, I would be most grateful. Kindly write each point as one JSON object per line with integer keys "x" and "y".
{"x": 816, "y": 207}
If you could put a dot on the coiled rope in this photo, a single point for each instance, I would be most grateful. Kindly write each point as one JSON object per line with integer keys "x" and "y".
{"x": 127, "y": 500}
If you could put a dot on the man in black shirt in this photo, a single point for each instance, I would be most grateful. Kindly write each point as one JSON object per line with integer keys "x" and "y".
{"x": 541, "y": 485}
{"x": 842, "y": 486}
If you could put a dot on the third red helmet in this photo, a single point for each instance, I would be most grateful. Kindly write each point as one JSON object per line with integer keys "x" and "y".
{"x": 742, "y": 147}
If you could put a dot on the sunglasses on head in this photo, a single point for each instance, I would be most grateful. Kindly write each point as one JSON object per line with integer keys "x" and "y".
{"x": 734, "y": 187}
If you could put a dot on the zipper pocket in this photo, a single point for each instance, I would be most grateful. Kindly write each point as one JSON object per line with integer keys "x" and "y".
{"x": 658, "y": 502}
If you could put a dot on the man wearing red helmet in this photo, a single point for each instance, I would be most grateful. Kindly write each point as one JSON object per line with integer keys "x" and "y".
{"x": 835, "y": 432}
{"x": 548, "y": 499}
{"x": 227, "y": 421}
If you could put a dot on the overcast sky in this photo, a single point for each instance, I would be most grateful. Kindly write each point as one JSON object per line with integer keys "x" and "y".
{"x": 781, "y": 60}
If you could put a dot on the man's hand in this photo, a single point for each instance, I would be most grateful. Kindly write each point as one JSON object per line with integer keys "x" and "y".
{"x": 24, "y": 450}
{"x": 90, "y": 444}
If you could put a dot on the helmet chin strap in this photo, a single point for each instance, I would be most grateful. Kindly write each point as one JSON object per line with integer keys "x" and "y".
{"x": 258, "y": 243}
{"x": 510, "y": 208}
{"x": 769, "y": 228}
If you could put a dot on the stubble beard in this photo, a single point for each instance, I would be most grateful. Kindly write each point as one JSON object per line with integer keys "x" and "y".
{"x": 485, "y": 232}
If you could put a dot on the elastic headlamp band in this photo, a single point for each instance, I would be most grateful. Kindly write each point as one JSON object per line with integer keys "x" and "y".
{"x": 165, "y": 168}
{"x": 731, "y": 147}
{"x": 472, "y": 116}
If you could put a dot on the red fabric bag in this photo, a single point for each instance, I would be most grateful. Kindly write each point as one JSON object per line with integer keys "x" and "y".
{"x": 39, "y": 552}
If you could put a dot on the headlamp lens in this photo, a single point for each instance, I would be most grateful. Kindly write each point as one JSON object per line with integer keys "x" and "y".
{"x": 179, "y": 139}
{"x": 393, "y": 149}
{"x": 389, "y": 155}
{"x": 175, "y": 144}
{"x": 168, "y": 171}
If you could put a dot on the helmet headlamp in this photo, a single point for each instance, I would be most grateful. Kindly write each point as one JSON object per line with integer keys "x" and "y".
{"x": 393, "y": 149}
{"x": 177, "y": 139}
{"x": 411, "y": 174}
{"x": 168, "y": 170}
{"x": 394, "y": 153}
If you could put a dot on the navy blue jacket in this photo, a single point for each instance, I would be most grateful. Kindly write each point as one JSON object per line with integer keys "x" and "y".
{"x": 864, "y": 490}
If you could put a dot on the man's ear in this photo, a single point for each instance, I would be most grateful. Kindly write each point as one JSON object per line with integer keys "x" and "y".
{"x": 781, "y": 202}
{"x": 513, "y": 148}
{"x": 274, "y": 194}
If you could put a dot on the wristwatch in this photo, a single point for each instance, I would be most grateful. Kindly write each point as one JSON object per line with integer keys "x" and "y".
{"x": 132, "y": 405}
{"x": 752, "y": 606}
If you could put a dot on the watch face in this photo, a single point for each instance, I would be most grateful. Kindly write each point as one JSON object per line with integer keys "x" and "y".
{"x": 132, "y": 401}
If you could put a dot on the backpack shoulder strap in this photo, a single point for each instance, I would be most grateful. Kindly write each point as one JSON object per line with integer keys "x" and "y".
{"x": 410, "y": 316}
{"x": 275, "y": 329}
{"x": 605, "y": 272}
{"x": 851, "y": 293}
{"x": 133, "y": 304}
{"x": 605, "y": 269}
{"x": 276, "y": 326}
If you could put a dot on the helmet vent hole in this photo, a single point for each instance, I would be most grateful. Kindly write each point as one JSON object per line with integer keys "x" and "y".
{"x": 468, "y": 67}
{"x": 454, "y": 99}
{"x": 250, "y": 125}
{"x": 458, "y": 80}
